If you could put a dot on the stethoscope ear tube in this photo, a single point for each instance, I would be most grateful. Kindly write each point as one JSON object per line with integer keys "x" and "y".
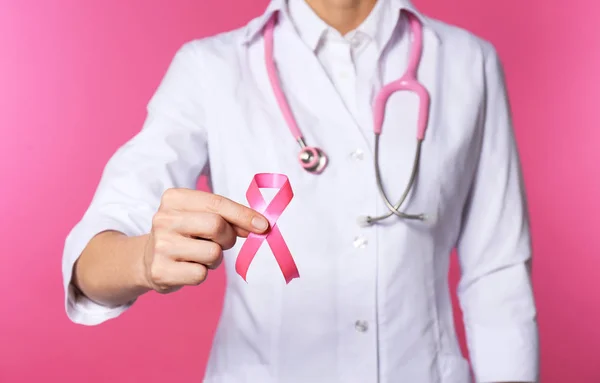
{"x": 394, "y": 209}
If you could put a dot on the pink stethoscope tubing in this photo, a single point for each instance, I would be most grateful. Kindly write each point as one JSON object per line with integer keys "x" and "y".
{"x": 314, "y": 160}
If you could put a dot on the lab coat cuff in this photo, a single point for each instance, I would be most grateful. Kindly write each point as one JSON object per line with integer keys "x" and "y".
{"x": 504, "y": 354}
{"x": 82, "y": 310}
{"x": 78, "y": 307}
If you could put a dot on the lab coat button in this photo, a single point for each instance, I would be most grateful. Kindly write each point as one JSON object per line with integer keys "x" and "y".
{"x": 360, "y": 242}
{"x": 356, "y": 40}
{"x": 358, "y": 155}
{"x": 361, "y": 326}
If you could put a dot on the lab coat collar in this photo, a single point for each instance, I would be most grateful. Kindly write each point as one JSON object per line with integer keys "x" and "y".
{"x": 254, "y": 28}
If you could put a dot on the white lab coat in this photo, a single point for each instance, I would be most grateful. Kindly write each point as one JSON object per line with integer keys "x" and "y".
{"x": 372, "y": 304}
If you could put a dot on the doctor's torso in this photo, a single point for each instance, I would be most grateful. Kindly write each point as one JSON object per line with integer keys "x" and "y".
{"x": 364, "y": 293}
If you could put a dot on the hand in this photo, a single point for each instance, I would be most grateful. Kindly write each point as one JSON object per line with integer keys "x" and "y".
{"x": 189, "y": 233}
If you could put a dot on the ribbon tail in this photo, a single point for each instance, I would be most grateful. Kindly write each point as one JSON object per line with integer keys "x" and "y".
{"x": 282, "y": 255}
{"x": 247, "y": 253}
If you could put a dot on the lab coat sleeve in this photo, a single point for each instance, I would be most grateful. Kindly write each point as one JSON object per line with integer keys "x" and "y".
{"x": 494, "y": 249}
{"x": 169, "y": 151}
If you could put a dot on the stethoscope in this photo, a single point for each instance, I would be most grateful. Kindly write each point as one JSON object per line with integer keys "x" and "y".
{"x": 314, "y": 160}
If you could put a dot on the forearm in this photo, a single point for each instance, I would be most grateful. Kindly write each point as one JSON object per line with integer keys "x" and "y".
{"x": 110, "y": 269}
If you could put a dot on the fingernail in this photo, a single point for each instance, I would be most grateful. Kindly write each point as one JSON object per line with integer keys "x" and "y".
{"x": 260, "y": 223}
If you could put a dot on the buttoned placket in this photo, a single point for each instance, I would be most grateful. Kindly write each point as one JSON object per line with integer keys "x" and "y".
{"x": 358, "y": 274}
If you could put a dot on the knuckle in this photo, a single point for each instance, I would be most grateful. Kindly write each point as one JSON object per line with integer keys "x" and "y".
{"x": 200, "y": 275}
{"x": 215, "y": 202}
{"x": 163, "y": 289}
{"x": 216, "y": 224}
{"x": 162, "y": 246}
{"x": 158, "y": 275}
{"x": 229, "y": 242}
{"x": 213, "y": 252}
{"x": 170, "y": 196}
{"x": 166, "y": 220}
{"x": 160, "y": 220}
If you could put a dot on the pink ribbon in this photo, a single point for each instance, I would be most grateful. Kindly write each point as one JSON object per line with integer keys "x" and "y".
{"x": 273, "y": 237}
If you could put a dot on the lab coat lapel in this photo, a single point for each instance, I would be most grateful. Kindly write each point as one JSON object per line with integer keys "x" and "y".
{"x": 430, "y": 75}
{"x": 317, "y": 106}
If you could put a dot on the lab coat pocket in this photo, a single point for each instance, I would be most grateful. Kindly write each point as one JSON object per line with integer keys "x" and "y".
{"x": 455, "y": 369}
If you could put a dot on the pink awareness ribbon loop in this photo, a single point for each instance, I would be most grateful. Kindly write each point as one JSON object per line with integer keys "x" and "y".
{"x": 273, "y": 236}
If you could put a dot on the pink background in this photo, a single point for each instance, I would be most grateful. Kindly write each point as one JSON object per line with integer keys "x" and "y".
{"x": 75, "y": 77}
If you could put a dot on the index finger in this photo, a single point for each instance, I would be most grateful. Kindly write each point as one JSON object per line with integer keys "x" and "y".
{"x": 236, "y": 214}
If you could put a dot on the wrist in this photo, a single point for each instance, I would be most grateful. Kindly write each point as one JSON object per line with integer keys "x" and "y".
{"x": 110, "y": 269}
{"x": 140, "y": 275}
{"x": 134, "y": 249}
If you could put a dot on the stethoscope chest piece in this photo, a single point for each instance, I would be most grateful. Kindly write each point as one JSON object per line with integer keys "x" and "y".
{"x": 312, "y": 159}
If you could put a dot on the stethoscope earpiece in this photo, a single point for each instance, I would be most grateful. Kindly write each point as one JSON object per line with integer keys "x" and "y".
{"x": 364, "y": 221}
